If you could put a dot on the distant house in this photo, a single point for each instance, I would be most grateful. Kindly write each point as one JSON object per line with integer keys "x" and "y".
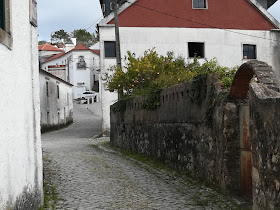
{"x": 56, "y": 102}
{"x": 79, "y": 66}
{"x": 21, "y": 174}
{"x": 232, "y": 31}
{"x": 46, "y": 51}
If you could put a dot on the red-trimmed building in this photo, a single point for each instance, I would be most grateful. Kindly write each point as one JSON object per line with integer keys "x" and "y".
{"x": 79, "y": 66}
{"x": 232, "y": 31}
{"x": 46, "y": 51}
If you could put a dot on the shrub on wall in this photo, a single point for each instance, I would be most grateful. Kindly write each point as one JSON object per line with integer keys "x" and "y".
{"x": 149, "y": 74}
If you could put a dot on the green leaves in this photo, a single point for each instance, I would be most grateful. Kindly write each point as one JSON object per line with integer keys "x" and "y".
{"x": 151, "y": 73}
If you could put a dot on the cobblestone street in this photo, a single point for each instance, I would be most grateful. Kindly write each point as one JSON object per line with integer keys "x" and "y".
{"x": 88, "y": 174}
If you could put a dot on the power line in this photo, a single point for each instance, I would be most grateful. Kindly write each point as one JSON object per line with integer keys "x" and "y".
{"x": 94, "y": 22}
{"x": 204, "y": 24}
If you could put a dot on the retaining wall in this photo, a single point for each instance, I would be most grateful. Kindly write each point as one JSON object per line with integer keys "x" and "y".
{"x": 195, "y": 129}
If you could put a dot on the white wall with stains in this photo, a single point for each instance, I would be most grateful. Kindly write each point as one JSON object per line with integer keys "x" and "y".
{"x": 20, "y": 139}
{"x": 56, "y": 102}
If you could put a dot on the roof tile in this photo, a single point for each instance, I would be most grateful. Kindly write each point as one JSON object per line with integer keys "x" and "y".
{"x": 55, "y": 57}
{"x": 48, "y": 47}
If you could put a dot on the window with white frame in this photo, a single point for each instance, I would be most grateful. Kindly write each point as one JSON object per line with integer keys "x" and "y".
{"x": 196, "y": 49}
{"x": 5, "y": 32}
{"x": 199, "y": 4}
{"x": 249, "y": 51}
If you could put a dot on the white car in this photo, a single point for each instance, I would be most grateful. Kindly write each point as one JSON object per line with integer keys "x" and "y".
{"x": 88, "y": 94}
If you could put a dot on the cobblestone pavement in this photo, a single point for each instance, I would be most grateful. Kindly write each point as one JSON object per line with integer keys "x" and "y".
{"x": 89, "y": 175}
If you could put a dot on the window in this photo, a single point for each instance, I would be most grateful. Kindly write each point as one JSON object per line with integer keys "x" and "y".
{"x": 111, "y": 5}
{"x": 81, "y": 63}
{"x": 249, "y": 51}
{"x": 57, "y": 88}
{"x": 48, "y": 118}
{"x": 199, "y": 4}
{"x": 196, "y": 49}
{"x": 47, "y": 89}
{"x": 5, "y": 33}
{"x": 110, "y": 49}
{"x": 68, "y": 99}
{"x": 2, "y": 14}
{"x": 103, "y": 8}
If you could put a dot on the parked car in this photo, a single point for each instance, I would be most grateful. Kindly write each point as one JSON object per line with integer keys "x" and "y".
{"x": 88, "y": 94}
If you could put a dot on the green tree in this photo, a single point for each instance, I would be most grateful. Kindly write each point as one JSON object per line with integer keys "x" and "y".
{"x": 41, "y": 42}
{"x": 60, "y": 35}
{"x": 84, "y": 37}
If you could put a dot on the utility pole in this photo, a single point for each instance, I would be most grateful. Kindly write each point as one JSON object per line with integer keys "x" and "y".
{"x": 117, "y": 34}
{"x": 118, "y": 47}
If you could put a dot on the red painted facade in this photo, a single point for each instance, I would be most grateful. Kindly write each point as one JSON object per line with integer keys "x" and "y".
{"x": 229, "y": 14}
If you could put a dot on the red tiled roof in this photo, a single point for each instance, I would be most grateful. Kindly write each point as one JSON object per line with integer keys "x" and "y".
{"x": 96, "y": 52}
{"x": 78, "y": 47}
{"x": 48, "y": 47}
{"x": 55, "y": 57}
{"x": 81, "y": 46}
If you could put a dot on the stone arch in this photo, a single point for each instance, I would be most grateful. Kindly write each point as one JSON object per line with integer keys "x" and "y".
{"x": 245, "y": 73}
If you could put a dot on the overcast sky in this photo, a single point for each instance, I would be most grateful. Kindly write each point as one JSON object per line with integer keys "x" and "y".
{"x": 54, "y": 15}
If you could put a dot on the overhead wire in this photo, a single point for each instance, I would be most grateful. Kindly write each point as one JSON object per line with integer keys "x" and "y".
{"x": 200, "y": 23}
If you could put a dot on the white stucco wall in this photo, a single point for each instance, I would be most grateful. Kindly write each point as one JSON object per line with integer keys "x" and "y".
{"x": 224, "y": 45}
{"x": 20, "y": 139}
{"x": 44, "y": 55}
{"x": 55, "y": 111}
{"x": 77, "y": 75}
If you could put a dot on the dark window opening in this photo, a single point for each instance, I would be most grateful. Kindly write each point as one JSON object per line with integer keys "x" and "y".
{"x": 47, "y": 89}
{"x": 196, "y": 49}
{"x": 2, "y": 14}
{"x": 199, "y": 4}
{"x": 249, "y": 51}
{"x": 5, "y": 33}
{"x": 110, "y": 49}
{"x": 57, "y": 87}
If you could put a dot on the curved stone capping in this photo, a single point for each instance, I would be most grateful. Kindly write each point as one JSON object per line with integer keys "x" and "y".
{"x": 245, "y": 73}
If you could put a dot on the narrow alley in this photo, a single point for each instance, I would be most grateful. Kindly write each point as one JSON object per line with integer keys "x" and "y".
{"x": 88, "y": 174}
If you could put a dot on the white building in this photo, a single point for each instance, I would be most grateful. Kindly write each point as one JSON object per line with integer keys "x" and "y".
{"x": 56, "y": 102}
{"x": 80, "y": 67}
{"x": 232, "y": 31}
{"x": 21, "y": 177}
{"x": 46, "y": 51}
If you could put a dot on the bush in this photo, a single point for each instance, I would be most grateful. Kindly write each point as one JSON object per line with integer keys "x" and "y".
{"x": 151, "y": 73}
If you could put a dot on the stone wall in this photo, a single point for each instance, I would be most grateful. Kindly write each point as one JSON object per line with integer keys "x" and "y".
{"x": 195, "y": 129}
{"x": 264, "y": 101}
{"x": 265, "y": 132}
{"x": 198, "y": 129}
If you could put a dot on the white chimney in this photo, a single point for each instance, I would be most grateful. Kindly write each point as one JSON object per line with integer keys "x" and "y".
{"x": 74, "y": 40}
